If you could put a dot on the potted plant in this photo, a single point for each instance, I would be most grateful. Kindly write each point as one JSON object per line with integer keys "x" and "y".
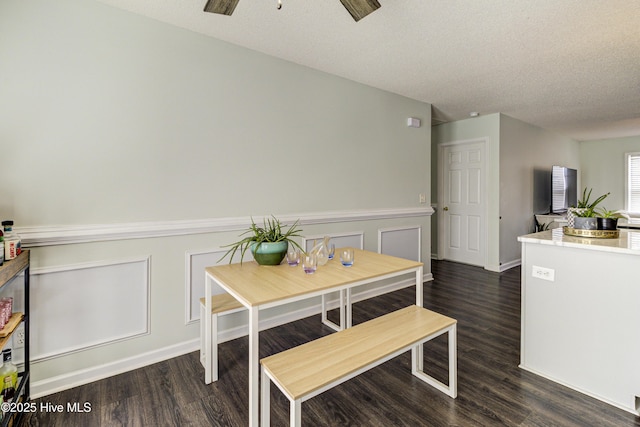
{"x": 607, "y": 220}
{"x": 585, "y": 209}
{"x": 585, "y": 219}
{"x": 268, "y": 243}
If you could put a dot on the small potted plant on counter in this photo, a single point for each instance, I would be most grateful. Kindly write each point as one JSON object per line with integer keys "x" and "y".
{"x": 607, "y": 220}
{"x": 585, "y": 219}
{"x": 268, "y": 243}
{"x": 583, "y": 215}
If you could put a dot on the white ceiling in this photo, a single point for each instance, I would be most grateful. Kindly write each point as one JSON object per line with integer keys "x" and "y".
{"x": 570, "y": 66}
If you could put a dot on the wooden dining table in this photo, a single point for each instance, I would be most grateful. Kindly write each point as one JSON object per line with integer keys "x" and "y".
{"x": 258, "y": 287}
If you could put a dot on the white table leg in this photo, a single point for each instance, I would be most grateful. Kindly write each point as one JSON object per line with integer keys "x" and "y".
{"x": 419, "y": 288}
{"x": 208, "y": 342}
{"x": 343, "y": 325}
{"x": 254, "y": 367}
{"x": 349, "y": 316}
{"x": 323, "y": 308}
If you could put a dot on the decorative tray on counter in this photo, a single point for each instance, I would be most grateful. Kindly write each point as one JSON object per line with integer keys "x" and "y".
{"x": 596, "y": 234}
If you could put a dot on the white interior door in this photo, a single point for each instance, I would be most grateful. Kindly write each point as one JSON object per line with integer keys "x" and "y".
{"x": 462, "y": 216}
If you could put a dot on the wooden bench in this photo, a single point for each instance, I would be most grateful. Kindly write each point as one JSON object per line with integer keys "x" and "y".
{"x": 305, "y": 371}
{"x": 220, "y": 304}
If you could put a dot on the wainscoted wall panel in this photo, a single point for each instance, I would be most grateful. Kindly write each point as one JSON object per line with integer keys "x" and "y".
{"x": 349, "y": 239}
{"x": 77, "y": 307}
{"x": 196, "y": 262}
{"x": 403, "y": 242}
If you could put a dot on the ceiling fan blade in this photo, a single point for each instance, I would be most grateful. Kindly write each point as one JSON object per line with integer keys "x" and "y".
{"x": 360, "y": 8}
{"x": 223, "y": 7}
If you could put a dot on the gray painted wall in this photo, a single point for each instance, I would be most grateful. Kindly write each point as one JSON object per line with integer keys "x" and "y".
{"x": 525, "y": 148}
{"x": 121, "y": 118}
{"x": 603, "y": 167}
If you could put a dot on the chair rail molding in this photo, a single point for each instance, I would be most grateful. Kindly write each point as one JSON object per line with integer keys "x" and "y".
{"x": 39, "y": 236}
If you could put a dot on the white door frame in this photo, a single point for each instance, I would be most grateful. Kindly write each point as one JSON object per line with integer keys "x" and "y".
{"x": 440, "y": 190}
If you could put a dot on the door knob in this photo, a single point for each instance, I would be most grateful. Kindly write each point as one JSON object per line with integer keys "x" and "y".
{"x": 446, "y": 208}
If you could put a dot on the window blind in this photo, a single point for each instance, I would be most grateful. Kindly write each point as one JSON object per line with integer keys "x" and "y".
{"x": 633, "y": 182}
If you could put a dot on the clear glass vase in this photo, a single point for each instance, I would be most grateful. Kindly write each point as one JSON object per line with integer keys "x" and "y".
{"x": 321, "y": 251}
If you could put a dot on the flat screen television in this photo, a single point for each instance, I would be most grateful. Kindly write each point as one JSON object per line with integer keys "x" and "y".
{"x": 541, "y": 191}
{"x": 564, "y": 189}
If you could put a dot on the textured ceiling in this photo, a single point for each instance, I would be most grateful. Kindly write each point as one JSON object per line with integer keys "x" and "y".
{"x": 570, "y": 66}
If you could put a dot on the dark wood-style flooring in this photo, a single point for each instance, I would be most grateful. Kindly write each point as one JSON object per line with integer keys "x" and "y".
{"x": 492, "y": 390}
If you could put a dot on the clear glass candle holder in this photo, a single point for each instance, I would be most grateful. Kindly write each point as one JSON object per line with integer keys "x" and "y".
{"x": 293, "y": 257}
{"x": 347, "y": 257}
{"x": 309, "y": 263}
{"x": 332, "y": 250}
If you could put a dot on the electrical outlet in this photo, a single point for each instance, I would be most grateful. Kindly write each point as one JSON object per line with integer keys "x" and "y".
{"x": 543, "y": 273}
{"x": 18, "y": 337}
{"x": 422, "y": 197}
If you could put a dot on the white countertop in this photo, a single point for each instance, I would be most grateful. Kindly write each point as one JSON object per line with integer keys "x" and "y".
{"x": 628, "y": 242}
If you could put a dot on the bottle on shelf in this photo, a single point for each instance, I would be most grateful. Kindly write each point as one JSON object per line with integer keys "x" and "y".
{"x": 9, "y": 376}
{"x": 6, "y": 310}
{"x": 8, "y": 390}
{"x": 12, "y": 246}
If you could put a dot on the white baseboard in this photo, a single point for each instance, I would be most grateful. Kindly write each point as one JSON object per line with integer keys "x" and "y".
{"x": 508, "y": 265}
{"x": 497, "y": 269}
{"x": 85, "y": 376}
{"x": 578, "y": 389}
{"x": 66, "y": 381}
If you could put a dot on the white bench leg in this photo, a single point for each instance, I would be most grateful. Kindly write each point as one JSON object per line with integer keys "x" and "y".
{"x": 213, "y": 364}
{"x": 265, "y": 399}
{"x": 209, "y": 331}
{"x": 295, "y": 413}
{"x": 453, "y": 361}
{"x": 417, "y": 361}
{"x": 295, "y": 406}
{"x": 214, "y": 347}
{"x": 203, "y": 355}
{"x": 206, "y": 342}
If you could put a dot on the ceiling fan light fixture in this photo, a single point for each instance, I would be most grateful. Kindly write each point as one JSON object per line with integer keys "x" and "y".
{"x": 360, "y": 8}
{"x": 222, "y": 7}
{"x": 357, "y": 8}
